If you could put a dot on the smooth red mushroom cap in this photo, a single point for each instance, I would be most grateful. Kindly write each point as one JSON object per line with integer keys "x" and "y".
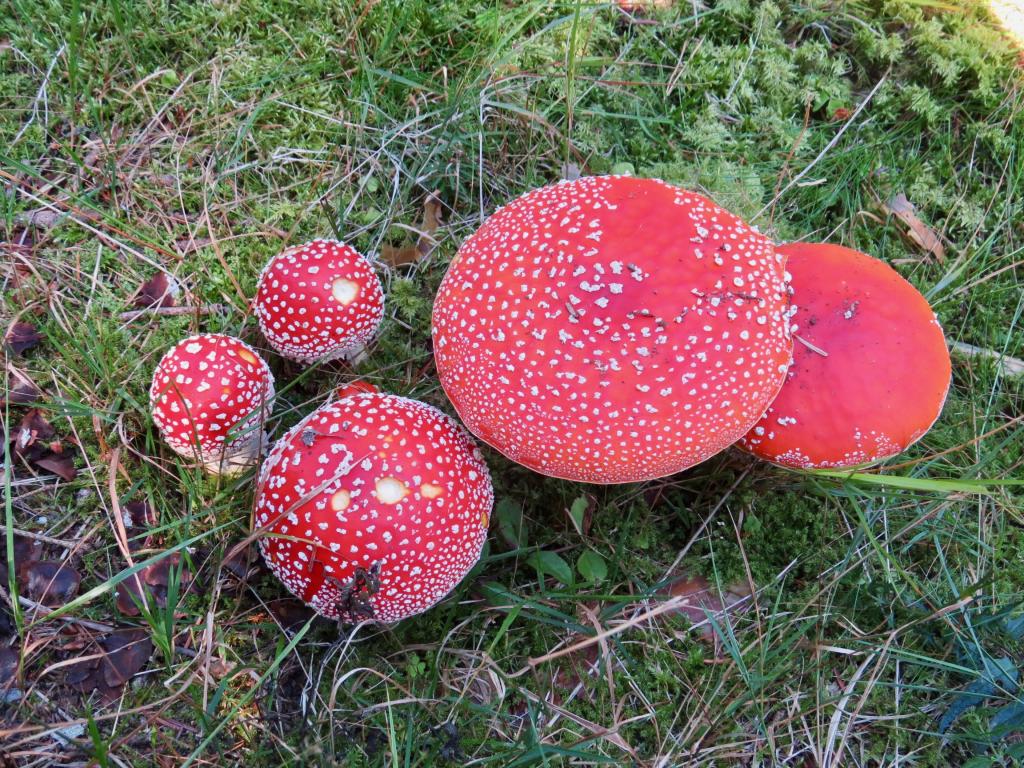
{"x": 210, "y": 395}
{"x": 374, "y": 506}
{"x": 612, "y": 329}
{"x": 318, "y": 301}
{"x": 870, "y": 365}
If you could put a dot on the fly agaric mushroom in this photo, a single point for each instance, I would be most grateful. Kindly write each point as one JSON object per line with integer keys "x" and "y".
{"x": 319, "y": 301}
{"x": 373, "y": 507}
{"x": 210, "y": 395}
{"x": 612, "y": 329}
{"x": 870, "y": 370}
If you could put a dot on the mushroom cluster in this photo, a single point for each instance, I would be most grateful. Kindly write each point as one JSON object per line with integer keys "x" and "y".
{"x": 374, "y": 507}
{"x": 614, "y": 329}
{"x": 605, "y": 330}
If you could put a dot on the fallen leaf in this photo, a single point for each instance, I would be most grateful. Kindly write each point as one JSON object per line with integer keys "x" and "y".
{"x": 152, "y": 581}
{"x": 6, "y": 623}
{"x": 138, "y": 517}
{"x": 49, "y": 582}
{"x": 60, "y": 463}
{"x": 43, "y": 218}
{"x": 159, "y": 291}
{"x": 919, "y": 233}
{"x": 24, "y": 392}
{"x": 187, "y": 245}
{"x": 20, "y": 243}
{"x": 26, "y": 550}
{"x": 701, "y": 599}
{"x": 424, "y": 246}
{"x": 22, "y": 337}
{"x": 570, "y": 171}
{"x": 8, "y": 666}
{"x": 35, "y": 443}
{"x": 33, "y": 428}
{"x": 239, "y": 563}
{"x": 124, "y": 652}
{"x": 290, "y": 613}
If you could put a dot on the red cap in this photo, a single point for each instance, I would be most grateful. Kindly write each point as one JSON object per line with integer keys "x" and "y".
{"x": 870, "y": 365}
{"x": 210, "y": 396}
{"x": 319, "y": 301}
{"x": 612, "y": 329}
{"x": 374, "y": 506}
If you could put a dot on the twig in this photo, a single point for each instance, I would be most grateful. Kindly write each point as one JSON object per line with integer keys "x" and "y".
{"x": 206, "y": 309}
{"x": 1008, "y": 366}
{"x": 810, "y": 346}
{"x": 39, "y": 537}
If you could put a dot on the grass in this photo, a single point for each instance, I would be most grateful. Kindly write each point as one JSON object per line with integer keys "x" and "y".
{"x": 200, "y": 139}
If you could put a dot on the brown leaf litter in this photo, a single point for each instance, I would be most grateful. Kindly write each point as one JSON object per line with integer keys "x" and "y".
{"x": 410, "y": 254}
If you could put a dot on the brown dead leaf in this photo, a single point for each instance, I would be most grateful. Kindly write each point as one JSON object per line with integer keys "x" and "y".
{"x": 700, "y": 598}
{"x": 157, "y": 292}
{"x": 26, "y": 550}
{"x": 239, "y": 563}
{"x": 6, "y": 622}
{"x": 289, "y": 612}
{"x": 43, "y": 218}
{"x": 60, "y": 463}
{"x": 187, "y": 245}
{"x": 21, "y": 391}
{"x": 33, "y": 428}
{"x": 49, "y": 582}
{"x": 152, "y": 581}
{"x": 123, "y": 653}
{"x": 8, "y": 666}
{"x": 424, "y": 246}
{"x": 139, "y": 517}
{"x": 20, "y": 242}
{"x": 919, "y": 233}
{"x": 35, "y": 443}
{"x": 22, "y": 337}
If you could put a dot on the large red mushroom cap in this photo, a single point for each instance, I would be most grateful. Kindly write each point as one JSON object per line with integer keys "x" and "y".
{"x": 210, "y": 395}
{"x": 870, "y": 367}
{"x": 319, "y": 301}
{"x": 373, "y": 507}
{"x": 612, "y": 329}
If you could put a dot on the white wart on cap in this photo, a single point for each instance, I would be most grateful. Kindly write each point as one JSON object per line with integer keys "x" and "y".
{"x": 373, "y": 507}
{"x": 209, "y": 398}
{"x": 319, "y": 301}
{"x": 612, "y": 329}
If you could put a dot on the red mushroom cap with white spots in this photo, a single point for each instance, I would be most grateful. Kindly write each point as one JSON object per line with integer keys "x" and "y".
{"x": 210, "y": 395}
{"x": 373, "y": 507}
{"x": 612, "y": 329}
{"x": 870, "y": 365}
{"x": 319, "y": 301}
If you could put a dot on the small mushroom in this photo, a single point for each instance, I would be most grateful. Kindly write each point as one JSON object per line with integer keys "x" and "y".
{"x": 373, "y": 507}
{"x": 319, "y": 301}
{"x": 612, "y": 329}
{"x": 210, "y": 395}
{"x": 870, "y": 365}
